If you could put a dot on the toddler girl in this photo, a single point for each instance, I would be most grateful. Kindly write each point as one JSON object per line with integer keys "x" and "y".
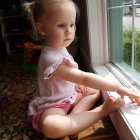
{"x": 61, "y": 85}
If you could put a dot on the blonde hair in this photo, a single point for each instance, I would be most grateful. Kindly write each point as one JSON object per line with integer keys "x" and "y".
{"x": 36, "y": 9}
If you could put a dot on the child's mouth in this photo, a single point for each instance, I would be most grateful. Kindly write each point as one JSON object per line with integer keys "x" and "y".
{"x": 68, "y": 39}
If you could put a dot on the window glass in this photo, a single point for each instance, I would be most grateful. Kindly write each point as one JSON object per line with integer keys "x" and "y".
{"x": 116, "y": 34}
{"x": 124, "y": 36}
{"x": 127, "y": 35}
{"x": 137, "y": 39}
{"x": 114, "y": 3}
{"x": 137, "y": 1}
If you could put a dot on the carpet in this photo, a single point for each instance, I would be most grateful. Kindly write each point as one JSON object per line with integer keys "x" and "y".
{"x": 16, "y": 88}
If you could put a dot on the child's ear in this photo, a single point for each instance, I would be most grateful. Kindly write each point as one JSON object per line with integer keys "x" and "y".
{"x": 40, "y": 29}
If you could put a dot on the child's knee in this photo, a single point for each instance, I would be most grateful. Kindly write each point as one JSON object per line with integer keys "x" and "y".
{"x": 51, "y": 127}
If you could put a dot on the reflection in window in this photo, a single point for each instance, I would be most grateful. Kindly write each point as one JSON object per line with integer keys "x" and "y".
{"x": 124, "y": 32}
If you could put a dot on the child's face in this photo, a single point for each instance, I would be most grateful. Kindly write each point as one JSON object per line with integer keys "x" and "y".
{"x": 59, "y": 25}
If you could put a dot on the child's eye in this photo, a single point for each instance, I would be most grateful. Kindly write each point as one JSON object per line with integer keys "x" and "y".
{"x": 72, "y": 25}
{"x": 61, "y": 25}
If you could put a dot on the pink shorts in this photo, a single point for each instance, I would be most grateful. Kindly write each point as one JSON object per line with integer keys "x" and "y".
{"x": 34, "y": 119}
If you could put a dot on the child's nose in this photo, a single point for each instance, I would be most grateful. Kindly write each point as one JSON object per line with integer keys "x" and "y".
{"x": 68, "y": 30}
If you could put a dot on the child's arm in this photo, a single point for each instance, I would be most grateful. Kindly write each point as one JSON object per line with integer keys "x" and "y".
{"x": 93, "y": 81}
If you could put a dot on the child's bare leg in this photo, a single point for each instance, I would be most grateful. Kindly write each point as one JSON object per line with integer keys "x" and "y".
{"x": 86, "y": 99}
{"x": 85, "y": 104}
{"x": 55, "y": 124}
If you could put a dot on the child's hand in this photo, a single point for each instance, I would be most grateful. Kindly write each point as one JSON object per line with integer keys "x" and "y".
{"x": 81, "y": 89}
{"x": 124, "y": 91}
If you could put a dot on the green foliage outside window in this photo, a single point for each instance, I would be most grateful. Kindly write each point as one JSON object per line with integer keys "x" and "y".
{"x": 127, "y": 50}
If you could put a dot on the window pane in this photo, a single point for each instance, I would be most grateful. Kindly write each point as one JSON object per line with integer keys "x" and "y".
{"x": 137, "y": 1}
{"x": 137, "y": 39}
{"x": 124, "y": 33}
{"x": 126, "y": 2}
{"x": 116, "y": 34}
{"x": 127, "y": 36}
{"x": 113, "y": 3}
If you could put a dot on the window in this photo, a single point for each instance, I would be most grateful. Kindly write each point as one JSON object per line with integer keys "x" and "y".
{"x": 124, "y": 36}
{"x": 107, "y": 24}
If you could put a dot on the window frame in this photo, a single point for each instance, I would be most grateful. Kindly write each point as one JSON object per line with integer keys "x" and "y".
{"x": 98, "y": 35}
{"x": 131, "y": 69}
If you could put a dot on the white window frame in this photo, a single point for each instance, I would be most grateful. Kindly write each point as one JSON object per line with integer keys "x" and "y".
{"x": 126, "y": 119}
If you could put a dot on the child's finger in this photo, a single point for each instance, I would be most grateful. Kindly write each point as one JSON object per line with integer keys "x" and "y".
{"x": 138, "y": 103}
{"x": 122, "y": 96}
{"x": 135, "y": 100}
{"x": 135, "y": 96}
{"x": 132, "y": 100}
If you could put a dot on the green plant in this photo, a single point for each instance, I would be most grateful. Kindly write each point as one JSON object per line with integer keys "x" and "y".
{"x": 127, "y": 50}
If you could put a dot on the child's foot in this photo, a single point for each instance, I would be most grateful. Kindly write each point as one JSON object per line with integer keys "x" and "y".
{"x": 111, "y": 104}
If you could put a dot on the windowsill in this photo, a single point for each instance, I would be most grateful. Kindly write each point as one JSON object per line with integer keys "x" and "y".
{"x": 126, "y": 119}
